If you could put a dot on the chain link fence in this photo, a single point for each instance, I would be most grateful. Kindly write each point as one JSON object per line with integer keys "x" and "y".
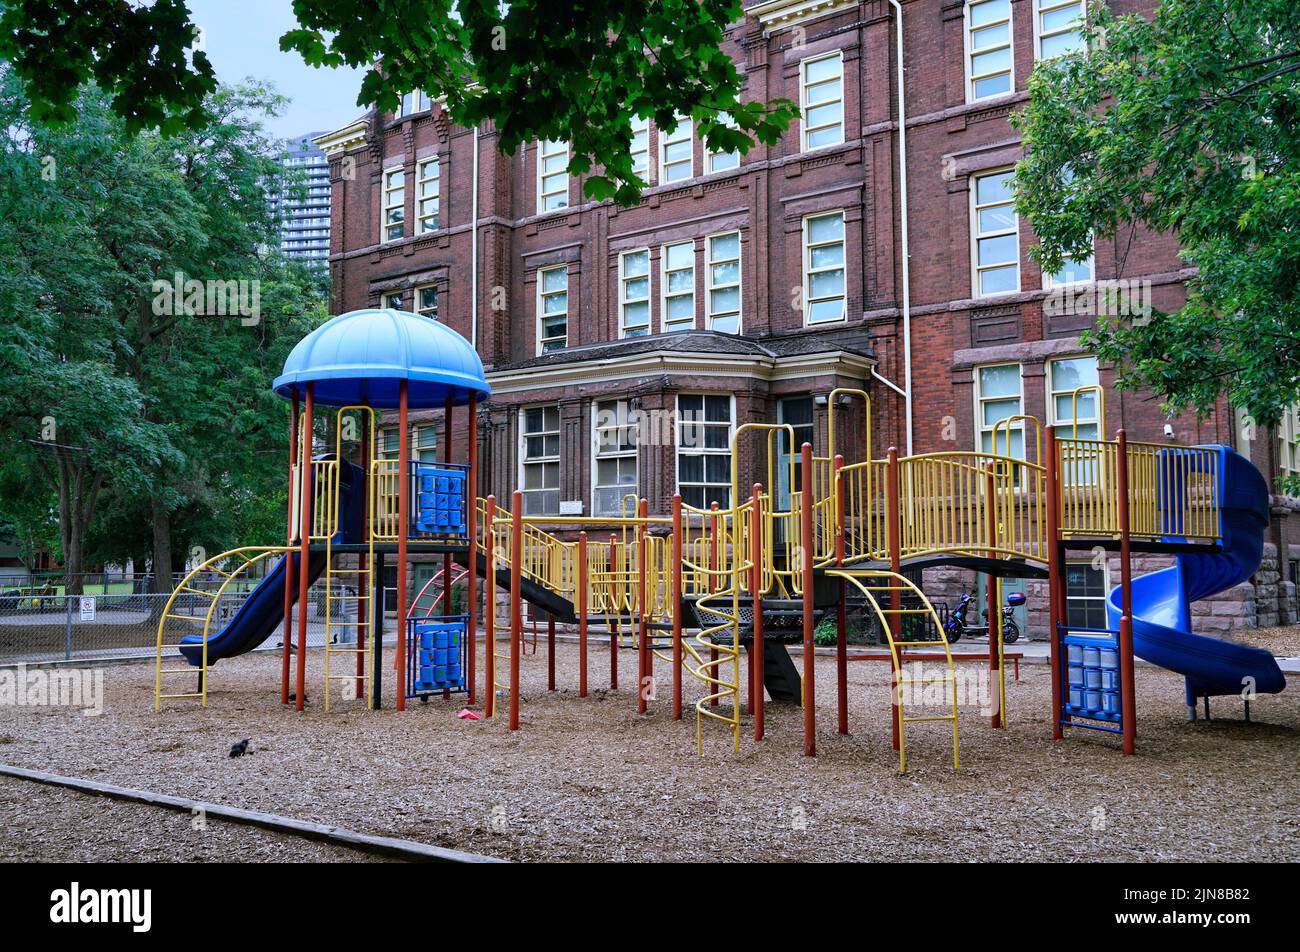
{"x": 44, "y": 628}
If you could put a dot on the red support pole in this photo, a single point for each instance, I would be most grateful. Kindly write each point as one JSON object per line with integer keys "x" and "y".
{"x": 809, "y": 649}
{"x": 550, "y": 652}
{"x": 290, "y": 577}
{"x": 471, "y": 523}
{"x": 756, "y": 686}
{"x": 841, "y": 609}
{"x": 894, "y": 522}
{"x": 489, "y": 608}
{"x": 645, "y": 666}
{"x": 1128, "y": 714}
{"x": 582, "y": 582}
{"x": 403, "y": 523}
{"x": 516, "y": 606}
{"x": 677, "y": 606}
{"x": 304, "y": 542}
{"x": 1055, "y": 607}
{"x": 448, "y": 416}
{"x": 613, "y": 630}
{"x": 992, "y": 608}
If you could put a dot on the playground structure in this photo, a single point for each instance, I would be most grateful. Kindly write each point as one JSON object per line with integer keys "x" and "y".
{"x": 696, "y": 588}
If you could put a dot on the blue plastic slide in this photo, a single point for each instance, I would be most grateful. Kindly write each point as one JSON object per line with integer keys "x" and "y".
{"x": 262, "y": 611}
{"x": 1162, "y": 601}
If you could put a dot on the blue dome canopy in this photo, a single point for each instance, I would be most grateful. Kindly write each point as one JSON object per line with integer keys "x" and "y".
{"x": 360, "y": 358}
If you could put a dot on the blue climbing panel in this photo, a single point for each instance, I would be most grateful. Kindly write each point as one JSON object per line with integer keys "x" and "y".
{"x": 436, "y": 648}
{"x": 1091, "y": 675}
{"x": 440, "y": 500}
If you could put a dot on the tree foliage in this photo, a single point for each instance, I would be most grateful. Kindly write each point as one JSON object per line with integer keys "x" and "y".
{"x": 1185, "y": 124}
{"x": 575, "y": 70}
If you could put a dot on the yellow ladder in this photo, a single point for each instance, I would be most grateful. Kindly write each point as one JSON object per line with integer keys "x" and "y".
{"x": 203, "y": 612}
{"x": 346, "y": 624}
{"x": 871, "y": 583}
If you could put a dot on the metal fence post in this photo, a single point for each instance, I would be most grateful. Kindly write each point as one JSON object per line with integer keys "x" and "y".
{"x": 67, "y": 646}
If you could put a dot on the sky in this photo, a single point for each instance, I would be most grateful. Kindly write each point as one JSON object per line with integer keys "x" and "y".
{"x": 242, "y": 39}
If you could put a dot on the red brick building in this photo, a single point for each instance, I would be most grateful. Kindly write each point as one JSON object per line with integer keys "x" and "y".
{"x": 746, "y": 288}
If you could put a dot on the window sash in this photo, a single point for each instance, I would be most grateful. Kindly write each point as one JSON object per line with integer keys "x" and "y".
{"x": 392, "y": 225}
{"x": 552, "y": 311}
{"x": 616, "y": 442}
{"x": 675, "y": 163}
{"x": 983, "y": 69}
{"x": 427, "y": 185}
{"x": 552, "y": 175}
{"x": 983, "y": 238}
{"x": 812, "y": 272}
{"x": 821, "y": 104}
{"x": 542, "y": 468}
{"x": 426, "y": 300}
{"x": 714, "y": 461}
{"x": 723, "y": 315}
{"x": 632, "y": 302}
{"x": 722, "y": 161}
{"x": 1056, "y": 35}
{"x": 673, "y": 300}
{"x": 1011, "y": 436}
{"x": 641, "y": 148}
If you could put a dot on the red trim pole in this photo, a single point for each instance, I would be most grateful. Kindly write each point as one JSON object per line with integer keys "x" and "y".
{"x": 1127, "y": 691}
{"x": 489, "y": 608}
{"x": 583, "y": 582}
{"x": 471, "y": 576}
{"x": 841, "y": 609}
{"x": 448, "y": 415}
{"x": 809, "y": 655}
{"x": 516, "y": 606}
{"x": 613, "y": 629}
{"x": 894, "y": 523}
{"x": 645, "y": 667}
{"x": 992, "y": 608}
{"x": 677, "y": 606}
{"x": 1053, "y": 543}
{"x": 715, "y": 564}
{"x": 403, "y": 521}
{"x": 304, "y": 542}
{"x": 756, "y": 686}
{"x": 289, "y": 575}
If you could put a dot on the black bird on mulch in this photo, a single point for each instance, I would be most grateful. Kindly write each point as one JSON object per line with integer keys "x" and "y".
{"x": 238, "y": 750}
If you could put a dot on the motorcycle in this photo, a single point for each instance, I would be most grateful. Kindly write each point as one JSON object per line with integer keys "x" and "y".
{"x": 956, "y": 626}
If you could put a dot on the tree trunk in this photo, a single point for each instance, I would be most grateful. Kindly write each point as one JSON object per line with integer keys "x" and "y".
{"x": 161, "y": 582}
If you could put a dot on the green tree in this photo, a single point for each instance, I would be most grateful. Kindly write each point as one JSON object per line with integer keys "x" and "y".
{"x": 577, "y": 70}
{"x": 1186, "y": 124}
{"x": 112, "y": 391}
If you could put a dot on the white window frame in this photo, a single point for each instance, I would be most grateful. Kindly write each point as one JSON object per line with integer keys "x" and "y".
{"x": 419, "y": 103}
{"x": 624, "y": 300}
{"x": 738, "y": 284}
{"x": 731, "y": 158}
{"x": 421, "y": 309}
{"x": 386, "y": 300}
{"x": 618, "y": 453}
{"x": 969, "y": 52}
{"x": 664, "y": 295}
{"x": 808, "y": 269}
{"x": 1053, "y": 392}
{"x": 421, "y": 180}
{"x": 641, "y": 127}
{"x": 543, "y": 460}
{"x": 387, "y": 190}
{"x": 678, "y": 448}
{"x": 684, "y": 132}
{"x": 975, "y": 235}
{"x": 1017, "y": 426}
{"x": 1049, "y": 6}
{"x": 1049, "y": 281}
{"x": 1288, "y": 434}
{"x": 542, "y": 315}
{"x": 804, "y": 103}
{"x": 557, "y": 148}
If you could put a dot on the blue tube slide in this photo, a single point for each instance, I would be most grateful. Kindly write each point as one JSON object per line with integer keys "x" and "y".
{"x": 1162, "y": 600}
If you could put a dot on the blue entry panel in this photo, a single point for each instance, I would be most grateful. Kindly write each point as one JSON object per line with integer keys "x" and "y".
{"x": 441, "y": 501}
{"x": 1092, "y": 685}
{"x": 436, "y": 650}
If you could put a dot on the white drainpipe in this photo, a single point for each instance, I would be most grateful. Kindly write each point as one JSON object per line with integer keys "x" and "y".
{"x": 473, "y": 250}
{"x": 902, "y": 184}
